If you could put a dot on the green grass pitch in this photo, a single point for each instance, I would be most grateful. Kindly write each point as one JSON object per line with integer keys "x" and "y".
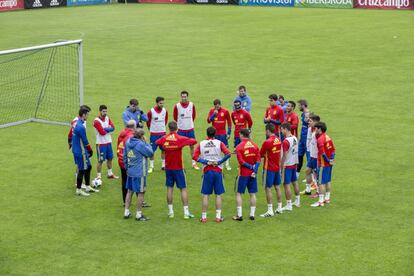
{"x": 355, "y": 67}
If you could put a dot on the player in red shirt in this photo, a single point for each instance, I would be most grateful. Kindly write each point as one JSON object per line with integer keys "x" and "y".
{"x": 326, "y": 160}
{"x": 241, "y": 119}
{"x": 271, "y": 150}
{"x": 274, "y": 114}
{"x": 219, "y": 118}
{"x": 289, "y": 162}
{"x": 292, "y": 118}
{"x": 248, "y": 156}
{"x": 173, "y": 145}
{"x": 125, "y": 134}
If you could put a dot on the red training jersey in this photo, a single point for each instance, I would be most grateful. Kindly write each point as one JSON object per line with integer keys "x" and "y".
{"x": 120, "y": 145}
{"x": 241, "y": 119}
{"x": 247, "y": 152}
{"x": 293, "y": 119}
{"x": 271, "y": 152}
{"x": 173, "y": 144}
{"x": 220, "y": 120}
{"x": 325, "y": 146}
{"x": 275, "y": 113}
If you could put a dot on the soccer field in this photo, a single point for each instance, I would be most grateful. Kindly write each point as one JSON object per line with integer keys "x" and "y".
{"x": 355, "y": 68}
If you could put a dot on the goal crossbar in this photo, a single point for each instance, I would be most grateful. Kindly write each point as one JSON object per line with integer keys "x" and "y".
{"x": 34, "y": 118}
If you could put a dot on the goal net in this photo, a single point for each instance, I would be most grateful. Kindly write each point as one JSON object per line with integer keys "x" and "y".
{"x": 41, "y": 84}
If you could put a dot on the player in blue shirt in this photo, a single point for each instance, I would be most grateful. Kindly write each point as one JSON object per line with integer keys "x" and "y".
{"x": 245, "y": 100}
{"x": 132, "y": 112}
{"x": 303, "y": 106}
{"x": 82, "y": 151}
{"x": 136, "y": 154}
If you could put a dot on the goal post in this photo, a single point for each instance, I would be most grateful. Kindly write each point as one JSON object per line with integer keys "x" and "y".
{"x": 42, "y": 83}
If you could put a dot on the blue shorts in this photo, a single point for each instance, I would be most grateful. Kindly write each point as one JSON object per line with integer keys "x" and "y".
{"x": 302, "y": 146}
{"x": 246, "y": 181}
{"x": 136, "y": 184}
{"x": 212, "y": 181}
{"x": 154, "y": 138}
{"x": 82, "y": 161}
{"x": 289, "y": 176}
{"x": 236, "y": 141}
{"x": 175, "y": 176}
{"x": 223, "y": 138}
{"x": 272, "y": 178}
{"x": 312, "y": 163}
{"x": 326, "y": 175}
{"x": 104, "y": 152}
{"x": 189, "y": 134}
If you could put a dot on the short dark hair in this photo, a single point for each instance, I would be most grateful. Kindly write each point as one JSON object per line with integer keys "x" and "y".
{"x": 303, "y": 102}
{"x": 286, "y": 126}
{"x": 159, "y": 99}
{"x": 83, "y": 110}
{"x": 242, "y": 87}
{"x": 292, "y": 103}
{"x": 271, "y": 128}
{"x": 217, "y": 101}
{"x": 322, "y": 126}
{"x": 211, "y": 132}
{"x": 245, "y": 132}
{"x": 315, "y": 117}
{"x": 138, "y": 133}
{"x": 172, "y": 126}
{"x": 281, "y": 97}
{"x": 133, "y": 102}
{"x": 237, "y": 101}
{"x": 184, "y": 93}
{"x": 102, "y": 107}
{"x": 273, "y": 97}
{"x": 85, "y": 106}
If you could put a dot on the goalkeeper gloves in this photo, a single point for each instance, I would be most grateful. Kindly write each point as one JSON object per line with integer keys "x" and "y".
{"x": 90, "y": 151}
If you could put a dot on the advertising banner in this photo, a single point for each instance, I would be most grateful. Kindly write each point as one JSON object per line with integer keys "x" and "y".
{"x": 86, "y": 2}
{"x": 163, "y": 1}
{"x": 7, "y": 5}
{"x": 282, "y": 3}
{"x": 34, "y": 4}
{"x": 337, "y": 4}
{"x": 385, "y": 4}
{"x": 218, "y": 2}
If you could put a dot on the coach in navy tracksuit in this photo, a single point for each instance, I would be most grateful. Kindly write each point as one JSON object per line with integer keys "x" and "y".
{"x": 136, "y": 155}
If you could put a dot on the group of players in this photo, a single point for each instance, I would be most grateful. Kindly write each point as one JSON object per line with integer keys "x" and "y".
{"x": 282, "y": 151}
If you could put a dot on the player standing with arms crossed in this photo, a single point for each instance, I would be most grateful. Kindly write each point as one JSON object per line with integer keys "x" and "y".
{"x": 184, "y": 115}
{"x": 271, "y": 151}
{"x": 326, "y": 160}
{"x": 241, "y": 119}
{"x": 289, "y": 161}
{"x": 292, "y": 118}
{"x": 173, "y": 145}
{"x": 245, "y": 101}
{"x": 219, "y": 117}
{"x": 103, "y": 129}
{"x": 274, "y": 114}
{"x": 248, "y": 156}
{"x": 157, "y": 119}
{"x": 210, "y": 153}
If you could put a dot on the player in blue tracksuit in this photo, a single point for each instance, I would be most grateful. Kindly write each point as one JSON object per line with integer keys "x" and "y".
{"x": 245, "y": 100}
{"x": 132, "y": 112}
{"x": 82, "y": 151}
{"x": 136, "y": 154}
{"x": 302, "y": 150}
